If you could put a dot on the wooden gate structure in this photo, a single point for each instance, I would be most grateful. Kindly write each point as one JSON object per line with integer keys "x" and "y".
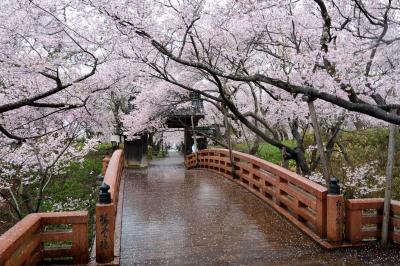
{"x": 186, "y": 118}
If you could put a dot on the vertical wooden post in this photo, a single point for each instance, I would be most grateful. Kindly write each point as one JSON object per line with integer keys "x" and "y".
{"x": 278, "y": 190}
{"x": 105, "y": 225}
{"x": 80, "y": 243}
{"x": 335, "y": 215}
{"x": 353, "y": 224}
{"x": 321, "y": 216}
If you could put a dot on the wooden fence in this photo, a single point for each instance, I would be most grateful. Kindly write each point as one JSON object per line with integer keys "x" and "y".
{"x": 302, "y": 201}
{"x": 30, "y": 241}
{"x": 364, "y": 220}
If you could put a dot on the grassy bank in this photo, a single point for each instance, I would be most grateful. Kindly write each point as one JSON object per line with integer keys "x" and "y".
{"x": 266, "y": 151}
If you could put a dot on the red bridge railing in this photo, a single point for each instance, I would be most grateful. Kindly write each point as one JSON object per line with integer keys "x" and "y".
{"x": 364, "y": 220}
{"x": 34, "y": 240}
{"x": 328, "y": 219}
{"x": 30, "y": 242}
{"x": 108, "y": 220}
{"x": 300, "y": 200}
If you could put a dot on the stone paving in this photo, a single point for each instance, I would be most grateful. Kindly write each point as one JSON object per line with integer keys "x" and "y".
{"x": 173, "y": 216}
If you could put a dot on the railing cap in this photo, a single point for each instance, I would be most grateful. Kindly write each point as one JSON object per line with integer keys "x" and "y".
{"x": 110, "y": 176}
{"x": 360, "y": 204}
{"x": 314, "y": 188}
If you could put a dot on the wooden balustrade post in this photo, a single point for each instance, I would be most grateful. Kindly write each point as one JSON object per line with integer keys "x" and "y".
{"x": 278, "y": 191}
{"x": 321, "y": 215}
{"x": 105, "y": 225}
{"x": 353, "y": 224}
{"x": 80, "y": 243}
{"x": 105, "y": 163}
{"x": 335, "y": 216}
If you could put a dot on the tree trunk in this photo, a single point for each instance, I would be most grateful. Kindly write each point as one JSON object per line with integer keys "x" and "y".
{"x": 13, "y": 203}
{"x": 301, "y": 163}
{"x": 28, "y": 201}
{"x": 195, "y": 141}
{"x": 228, "y": 139}
{"x": 255, "y": 147}
{"x": 389, "y": 177}
{"x": 285, "y": 162}
{"x": 320, "y": 144}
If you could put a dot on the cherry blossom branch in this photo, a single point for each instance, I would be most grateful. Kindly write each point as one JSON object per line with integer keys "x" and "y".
{"x": 21, "y": 139}
{"x": 246, "y": 122}
{"x": 10, "y": 135}
{"x": 365, "y": 108}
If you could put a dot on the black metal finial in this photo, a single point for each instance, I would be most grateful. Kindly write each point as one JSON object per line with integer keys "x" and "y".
{"x": 334, "y": 187}
{"x": 104, "y": 195}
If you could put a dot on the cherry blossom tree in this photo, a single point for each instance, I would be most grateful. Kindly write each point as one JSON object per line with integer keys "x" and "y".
{"x": 256, "y": 60}
{"x": 27, "y": 169}
{"x": 54, "y": 84}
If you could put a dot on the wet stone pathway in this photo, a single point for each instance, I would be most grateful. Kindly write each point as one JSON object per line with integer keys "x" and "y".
{"x": 174, "y": 216}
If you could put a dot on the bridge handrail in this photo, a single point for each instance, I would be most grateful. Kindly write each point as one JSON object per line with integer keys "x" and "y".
{"x": 23, "y": 244}
{"x": 364, "y": 219}
{"x": 299, "y": 199}
{"x": 106, "y": 214}
{"x": 114, "y": 173}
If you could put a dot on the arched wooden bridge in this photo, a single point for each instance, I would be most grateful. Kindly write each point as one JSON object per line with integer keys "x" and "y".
{"x": 170, "y": 215}
{"x": 195, "y": 217}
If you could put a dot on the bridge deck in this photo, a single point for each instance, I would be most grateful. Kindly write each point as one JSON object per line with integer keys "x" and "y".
{"x": 179, "y": 217}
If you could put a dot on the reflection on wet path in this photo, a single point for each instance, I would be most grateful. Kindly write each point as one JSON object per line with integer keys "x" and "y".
{"x": 177, "y": 217}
